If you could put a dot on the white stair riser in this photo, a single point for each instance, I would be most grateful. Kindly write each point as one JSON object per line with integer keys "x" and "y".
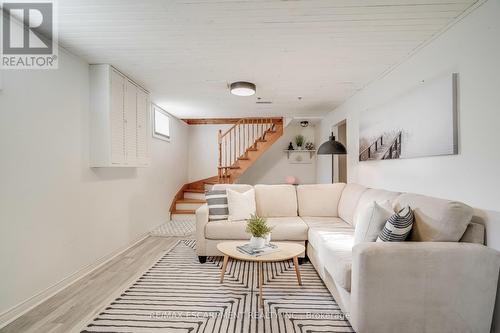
{"x": 194, "y": 195}
{"x": 187, "y": 206}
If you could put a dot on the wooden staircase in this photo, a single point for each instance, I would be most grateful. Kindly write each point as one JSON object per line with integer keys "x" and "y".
{"x": 191, "y": 196}
{"x": 238, "y": 148}
{"x": 244, "y": 143}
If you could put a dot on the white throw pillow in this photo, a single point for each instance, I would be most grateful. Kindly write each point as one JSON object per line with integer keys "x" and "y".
{"x": 371, "y": 220}
{"x": 241, "y": 205}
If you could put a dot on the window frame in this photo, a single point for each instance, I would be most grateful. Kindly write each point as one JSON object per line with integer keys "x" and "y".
{"x": 156, "y": 134}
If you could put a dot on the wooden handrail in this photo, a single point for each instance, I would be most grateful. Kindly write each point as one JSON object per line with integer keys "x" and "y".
{"x": 253, "y": 120}
{"x": 235, "y": 142}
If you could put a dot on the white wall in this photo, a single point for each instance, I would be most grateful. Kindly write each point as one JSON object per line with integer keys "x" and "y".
{"x": 203, "y": 150}
{"x": 57, "y": 215}
{"x": 471, "y": 48}
{"x": 271, "y": 168}
{"x": 274, "y": 166}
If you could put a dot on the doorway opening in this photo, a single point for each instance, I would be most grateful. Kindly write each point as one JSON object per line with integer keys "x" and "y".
{"x": 340, "y": 130}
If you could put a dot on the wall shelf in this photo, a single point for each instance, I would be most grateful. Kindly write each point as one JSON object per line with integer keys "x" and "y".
{"x": 311, "y": 152}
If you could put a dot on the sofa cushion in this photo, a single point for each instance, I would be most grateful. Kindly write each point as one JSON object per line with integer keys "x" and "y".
{"x": 284, "y": 228}
{"x": 276, "y": 200}
{"x": 235, "y": 187}
{"x": 436, "y": 220}
{"x": 319, "y": 199}
{"x": 371, "y": 220}
{"x": 332, "y": 239}
{"x": 398, "y": 226}
{"x": 371, "y": 195}
{"x": 217, "y": 200}
{"x": 349, "y": 201}
{"x": 241, "y": 206}
{"x": 339, "y": 261}
{"x": 323, "y": 231}
{"x": 217, "y": 205}
{"x": 326, "y": 222}
{"x": 474, "y": 233}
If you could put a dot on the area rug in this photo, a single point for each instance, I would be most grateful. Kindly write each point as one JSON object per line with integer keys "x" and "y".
{"x": 178, "y": 294}
{"x": 179, "y": 227}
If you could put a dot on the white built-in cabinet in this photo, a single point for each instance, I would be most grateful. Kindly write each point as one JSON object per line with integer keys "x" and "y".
{"x": 120, "y": 111}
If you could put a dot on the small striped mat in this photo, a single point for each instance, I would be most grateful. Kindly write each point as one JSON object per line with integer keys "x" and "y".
{"x": 179, "y": 226}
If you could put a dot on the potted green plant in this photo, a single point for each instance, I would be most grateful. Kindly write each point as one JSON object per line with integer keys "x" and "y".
{"x": 260, "y": 231}
{"x": 299, "y": 141}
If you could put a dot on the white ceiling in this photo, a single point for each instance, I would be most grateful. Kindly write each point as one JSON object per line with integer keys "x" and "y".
{"x": 187, "y": 51}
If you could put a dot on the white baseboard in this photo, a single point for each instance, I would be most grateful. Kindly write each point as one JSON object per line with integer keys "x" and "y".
{"x": 18, "y": 310}
{"x": 82, "y": 325}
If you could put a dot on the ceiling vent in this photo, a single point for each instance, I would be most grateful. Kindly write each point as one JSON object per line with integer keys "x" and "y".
{"x": 263, "y": 102}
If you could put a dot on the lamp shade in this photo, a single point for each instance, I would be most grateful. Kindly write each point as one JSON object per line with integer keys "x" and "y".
{"x": 332, "y": 147}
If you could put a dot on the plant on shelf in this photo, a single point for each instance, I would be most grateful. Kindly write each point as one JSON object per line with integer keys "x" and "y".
{"x": 299, "y": 141}
{"x": 260, "y": 231}
{"x": 309, "y": 146}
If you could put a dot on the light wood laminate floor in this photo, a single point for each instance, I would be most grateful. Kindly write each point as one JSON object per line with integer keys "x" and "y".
{"x": 70, "y": 309}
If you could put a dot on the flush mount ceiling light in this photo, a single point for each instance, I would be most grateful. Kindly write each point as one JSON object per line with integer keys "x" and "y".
{"x": 304, "y": 123}
{"x": 242, "y": 88}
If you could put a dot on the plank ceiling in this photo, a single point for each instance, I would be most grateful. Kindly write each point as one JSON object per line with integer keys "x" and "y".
{"x": 187, "y": 51}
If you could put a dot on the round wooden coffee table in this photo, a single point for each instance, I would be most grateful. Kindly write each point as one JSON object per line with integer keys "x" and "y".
{"x": 286, "y": 251}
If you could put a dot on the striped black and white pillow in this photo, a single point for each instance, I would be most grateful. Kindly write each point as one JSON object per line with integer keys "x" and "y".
{"x": 217, "y": 205}
{"x": 398, "y": 226}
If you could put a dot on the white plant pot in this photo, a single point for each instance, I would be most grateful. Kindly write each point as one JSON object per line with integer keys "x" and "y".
{"x": 257, "y": 242}
{"x": 268, "y": 238}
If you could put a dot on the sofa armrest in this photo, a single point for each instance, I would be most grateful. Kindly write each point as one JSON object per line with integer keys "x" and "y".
{"x": 423, "y": 287}
{"x": 201, "y": 222}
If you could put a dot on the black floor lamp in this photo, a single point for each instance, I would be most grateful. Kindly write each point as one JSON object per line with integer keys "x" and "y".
{"x": 332, "y": 147}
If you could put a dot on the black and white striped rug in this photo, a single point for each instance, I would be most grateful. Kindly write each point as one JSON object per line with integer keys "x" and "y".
{"x": 178, "y": 294}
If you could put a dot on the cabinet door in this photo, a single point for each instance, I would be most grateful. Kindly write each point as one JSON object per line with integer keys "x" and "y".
{"x": 142, "y": 128}
{"x": 130, "y": 124}
{"x": 117, "y": 118}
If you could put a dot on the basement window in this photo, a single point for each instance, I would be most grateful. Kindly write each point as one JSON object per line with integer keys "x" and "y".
{"x": 161, "y": 124}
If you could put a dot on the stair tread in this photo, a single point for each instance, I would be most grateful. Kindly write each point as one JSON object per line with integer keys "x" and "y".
{"x": 184, "y": 211}
{"x": 191, "y": 201}
{"x": 243, "y": 158}
{"x": 194, "y": 190}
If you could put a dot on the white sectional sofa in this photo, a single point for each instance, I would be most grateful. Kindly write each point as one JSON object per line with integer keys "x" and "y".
{"x": 442, "y": 280}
